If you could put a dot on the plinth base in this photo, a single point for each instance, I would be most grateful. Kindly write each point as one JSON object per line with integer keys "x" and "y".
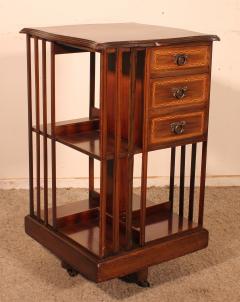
{"x": 122, "y": 264}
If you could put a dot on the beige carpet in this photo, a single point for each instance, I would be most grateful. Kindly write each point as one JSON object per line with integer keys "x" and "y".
{"x": 28, "y": 272}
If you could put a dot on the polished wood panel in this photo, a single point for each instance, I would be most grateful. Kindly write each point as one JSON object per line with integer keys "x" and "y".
{"x": 99, "y": 36}
{"x": 119, "y": 265}
{"x": 89, "y": 143}
{"x": 75, "y": 126}
{"x": 84, "y": 135}
{"x": 161, "y": 128}
{"x": 126, "y": 94}
{"x": 65, "y": 211}
{"x": 162, "y": 224}
{"x": 165, "y": 60}
{"x": 83, "y": 226}
{"x": 62, "y": 247}
{"x": 182, "y": 90}
{"x": 164, "y": 250}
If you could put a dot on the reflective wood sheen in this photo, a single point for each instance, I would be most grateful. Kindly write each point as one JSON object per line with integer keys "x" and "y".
{"x": 154, "y": 94}
{"x": 99, "y": 36}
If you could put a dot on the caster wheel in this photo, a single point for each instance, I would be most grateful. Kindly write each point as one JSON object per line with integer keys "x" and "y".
{"x": 129, "y": 278}
{"x": 71, "y": 271}
{"x": 143, "y": 283}
{"x": 132, "y": 278}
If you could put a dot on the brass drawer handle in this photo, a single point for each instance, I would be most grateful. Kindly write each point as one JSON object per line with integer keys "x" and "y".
{"x": 181, "y": 59}
{"x": 178, "y": 127}
{"x": 179, "y": 93}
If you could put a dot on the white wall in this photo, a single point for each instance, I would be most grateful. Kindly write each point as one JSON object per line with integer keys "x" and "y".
{"x": 219, "y": 17}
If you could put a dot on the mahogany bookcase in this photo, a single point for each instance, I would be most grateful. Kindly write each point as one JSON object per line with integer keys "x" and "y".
{"x": 154, "y": 94}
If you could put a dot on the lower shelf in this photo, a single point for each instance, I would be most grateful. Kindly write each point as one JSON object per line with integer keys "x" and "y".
{"x": 80, "y": 222}
{"x": 123, "y": 263}
{"x": 161, "y": 223}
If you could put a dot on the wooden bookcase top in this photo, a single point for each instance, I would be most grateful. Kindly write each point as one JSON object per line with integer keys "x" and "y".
{"x": 100, "y": 36}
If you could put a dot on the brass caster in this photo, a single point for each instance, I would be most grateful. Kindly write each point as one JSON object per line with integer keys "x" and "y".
{"x": 133, "y": 278}
{"x": 144, "y": 283}
{"x": 70, "y": 270}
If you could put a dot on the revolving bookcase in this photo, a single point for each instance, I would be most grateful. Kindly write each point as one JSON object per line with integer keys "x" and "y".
{"x": 154, "y": 94}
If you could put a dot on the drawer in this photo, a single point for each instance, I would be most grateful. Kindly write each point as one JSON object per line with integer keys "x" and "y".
{"x": 173, "y": 59}
{"x": 177, "y": 129}
{"x": 173, "y": 91}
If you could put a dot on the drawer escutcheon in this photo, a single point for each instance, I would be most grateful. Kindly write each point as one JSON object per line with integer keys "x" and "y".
{"x": 179, "y": 93}
{"x": 178, "y": 127}
{"x": 180, "y": 59}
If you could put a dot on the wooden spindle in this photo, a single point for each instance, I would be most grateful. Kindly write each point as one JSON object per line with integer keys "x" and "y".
{"x": 53, "y": 141}
{"x": 37, "y": 106}
{"x": 45, "y": 152}
{"x": 30, "y": 140}
{"x": 202, "y": 183}
{"x": 131, "y": 122}
{"x": 91, "y": 105}
{"x": 182, "y": 181}
{"x": 172, "y": 176}
{"x": 143, "y": 198}
{"x": 92, "y": 82}
{"x": 103, "y": 151}
{"x": 117, "y": 146}
{"x": 192, "y": 182}
{"x": 144, "y": 154}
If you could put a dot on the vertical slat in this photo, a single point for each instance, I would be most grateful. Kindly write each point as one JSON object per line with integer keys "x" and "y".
{"x": 172, "y": 177}
{"x": 144, "y": 153}
{"x": 202, "y": 183}
{"x": 131, "y": 120}
{"x": 91, "y": 105}
{"x": 103, "y": 150}
{"x": 91, "y": 176}
{"x": 30, "y": 142}
{"x": 192, "y": 182}
{"x": 143, "y": 197}
{"x": 92, "y": 82}
{"x": 36, "y": 62}
{"x": 45, "y": 152}
{"x": 53, "y": 142}
{"x": 182, "y": 181}
{"x": 117, "y": 145}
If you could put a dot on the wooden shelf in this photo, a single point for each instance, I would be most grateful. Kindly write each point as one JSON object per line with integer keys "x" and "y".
{"x": 161, "y": 223}
{"x": 83, "y": 135}
{"x": 79, "y": 221}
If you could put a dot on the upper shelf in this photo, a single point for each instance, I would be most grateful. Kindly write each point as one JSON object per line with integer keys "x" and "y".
{"x": 100, "y": 36}
{"x": 83, "y": 135}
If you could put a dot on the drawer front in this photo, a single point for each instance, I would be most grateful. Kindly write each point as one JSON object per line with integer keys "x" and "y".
{"x": 172, "y": 129}
{"x": 177, "y": 58}
{"x": 173, "y": 91}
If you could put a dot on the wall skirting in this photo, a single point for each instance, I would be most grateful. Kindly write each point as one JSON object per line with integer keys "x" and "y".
{"x": 22, "y": 183}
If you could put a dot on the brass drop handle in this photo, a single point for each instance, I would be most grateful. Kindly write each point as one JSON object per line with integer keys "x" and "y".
{"x": 178, "y": 127}
{"x": 179, "y": 93}
{"x": 181, "y": 59}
